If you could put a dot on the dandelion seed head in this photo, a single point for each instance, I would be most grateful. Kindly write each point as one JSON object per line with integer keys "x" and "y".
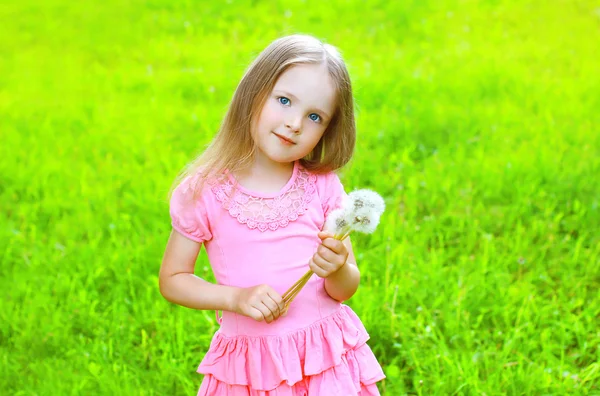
{"x": 358, "y": 203}
{"x": 339, "y": 221}
{"x": 367, "y": 199}
{"x": 365, "y": 222}
{"x": 333, "y": 221}
{"x": 360, "y": 211}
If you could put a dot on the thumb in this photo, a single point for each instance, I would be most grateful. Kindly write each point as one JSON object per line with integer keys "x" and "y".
{"x": 324, "y": 235}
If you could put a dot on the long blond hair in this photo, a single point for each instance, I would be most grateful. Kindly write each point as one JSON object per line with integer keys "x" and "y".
{"x": 233, "y": 147}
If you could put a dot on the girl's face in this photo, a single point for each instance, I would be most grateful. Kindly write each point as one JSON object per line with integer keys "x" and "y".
{"x": 296, "y": 114}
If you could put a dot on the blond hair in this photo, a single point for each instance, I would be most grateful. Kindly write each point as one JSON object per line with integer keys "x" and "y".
{"x": 233, "y": 147}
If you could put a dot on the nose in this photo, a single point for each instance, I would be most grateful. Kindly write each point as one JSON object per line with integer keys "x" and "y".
{"x": 293, "y": 124}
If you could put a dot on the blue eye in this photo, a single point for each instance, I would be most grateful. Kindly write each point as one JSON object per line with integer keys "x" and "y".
{"x": 283, "y": 100}
{"x": 315, "y": 117}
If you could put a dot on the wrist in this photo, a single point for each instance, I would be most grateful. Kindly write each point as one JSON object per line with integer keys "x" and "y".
{"x": 340, "y": 270}
{"x": 342, "y": 284}
{"x": 232, "y": 298}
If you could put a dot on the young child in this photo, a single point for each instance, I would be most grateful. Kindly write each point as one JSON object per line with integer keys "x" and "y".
{"x": 257, "y": 198}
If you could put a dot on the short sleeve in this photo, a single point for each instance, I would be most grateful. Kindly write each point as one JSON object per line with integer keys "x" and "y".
{"x": 188, "y": 215}
{"x": 333, "y": 193}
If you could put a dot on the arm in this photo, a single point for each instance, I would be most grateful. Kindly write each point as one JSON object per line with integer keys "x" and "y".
{"x": 342, "y": 284}
{"x": 179, "y": 285}
{"x": 334, "y": 261}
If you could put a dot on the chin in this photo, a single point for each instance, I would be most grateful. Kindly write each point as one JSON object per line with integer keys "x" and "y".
{"x": 281, "y": 157}
{"x": 283, "y": 160}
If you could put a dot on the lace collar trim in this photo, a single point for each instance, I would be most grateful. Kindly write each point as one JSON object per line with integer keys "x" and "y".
{"x": 263, "y": 211}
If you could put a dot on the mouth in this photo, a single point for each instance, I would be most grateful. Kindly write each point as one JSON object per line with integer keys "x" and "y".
{"x": 284, "y": 139}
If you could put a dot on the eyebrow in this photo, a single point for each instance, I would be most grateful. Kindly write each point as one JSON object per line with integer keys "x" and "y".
{"x": 286, "y": 93}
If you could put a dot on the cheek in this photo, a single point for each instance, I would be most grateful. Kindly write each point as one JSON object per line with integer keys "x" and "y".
{"x": 269, "y": 113}
{"x": 315, "y": 133}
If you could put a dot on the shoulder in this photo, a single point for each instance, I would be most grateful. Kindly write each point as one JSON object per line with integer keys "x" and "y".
{"x": 196, "y": 188}
{"x": 329, "y": 189}
{"x": 189, "y": 190}
{"x": 189, "y": 206}
{"x": 325, "y": 182}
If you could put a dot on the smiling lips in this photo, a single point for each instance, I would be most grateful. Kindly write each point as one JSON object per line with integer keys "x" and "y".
{"x": 284, "y": 140}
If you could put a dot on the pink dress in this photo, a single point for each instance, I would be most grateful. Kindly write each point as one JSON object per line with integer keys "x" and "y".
{"x": 319, "y": 347}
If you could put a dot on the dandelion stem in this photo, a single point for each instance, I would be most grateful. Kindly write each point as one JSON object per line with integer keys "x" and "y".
{"x": 304, "y": 278}
{"x": 298, "y": 285}
{"x": 293, "y": 294}
{"x": 293, "y": 289}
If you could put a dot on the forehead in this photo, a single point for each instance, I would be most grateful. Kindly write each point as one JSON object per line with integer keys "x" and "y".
{"x": 311, "y": 84}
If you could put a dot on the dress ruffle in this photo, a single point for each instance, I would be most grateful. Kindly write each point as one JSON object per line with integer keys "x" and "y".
{"x": 329, "y": 357}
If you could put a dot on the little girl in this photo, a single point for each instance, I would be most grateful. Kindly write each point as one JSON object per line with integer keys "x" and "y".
{"x": 257, "y": 198}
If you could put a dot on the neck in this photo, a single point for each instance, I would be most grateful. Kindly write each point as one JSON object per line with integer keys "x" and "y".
{"x": 265, "y": 175}
{"x": 264, "y": 166}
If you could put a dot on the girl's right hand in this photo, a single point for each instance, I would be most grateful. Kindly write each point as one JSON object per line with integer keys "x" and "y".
{"x": 260, "y": 303}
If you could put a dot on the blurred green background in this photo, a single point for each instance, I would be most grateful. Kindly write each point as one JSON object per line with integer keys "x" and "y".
{"x": 478, "y": 121}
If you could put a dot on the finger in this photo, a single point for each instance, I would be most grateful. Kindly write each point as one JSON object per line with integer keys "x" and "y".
{"x": 327, "y": 254}
{"x": 319, "y": 266}
{"x": 334, "y": 245}
{"x": 324, "y": 264}
{"x": 256, "y": 314}
{"x": 324, "y": 235}
{"x": 266, "y": 312}
{"x": 271, "y": 316}
{"x": 314, "y": 267}
{"x": 273, "y": 306}
{"x": 276, "y": 297}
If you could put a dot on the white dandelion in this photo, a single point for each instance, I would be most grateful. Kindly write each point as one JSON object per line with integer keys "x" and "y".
{"x": 367, "y": 199}
{"x": 360, "y": 211}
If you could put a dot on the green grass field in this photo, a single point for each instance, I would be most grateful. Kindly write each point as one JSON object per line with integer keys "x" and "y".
{"x": 479, "y": 121}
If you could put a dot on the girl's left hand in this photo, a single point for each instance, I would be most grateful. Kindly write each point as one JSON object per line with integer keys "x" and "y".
{"x": 331, "y": 255}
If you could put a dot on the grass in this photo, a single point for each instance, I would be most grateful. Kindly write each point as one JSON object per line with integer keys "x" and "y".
{"x": 478, "y": 122}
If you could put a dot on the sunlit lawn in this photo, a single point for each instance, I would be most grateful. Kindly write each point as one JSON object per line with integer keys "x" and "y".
{"x": 478, "y": 122}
